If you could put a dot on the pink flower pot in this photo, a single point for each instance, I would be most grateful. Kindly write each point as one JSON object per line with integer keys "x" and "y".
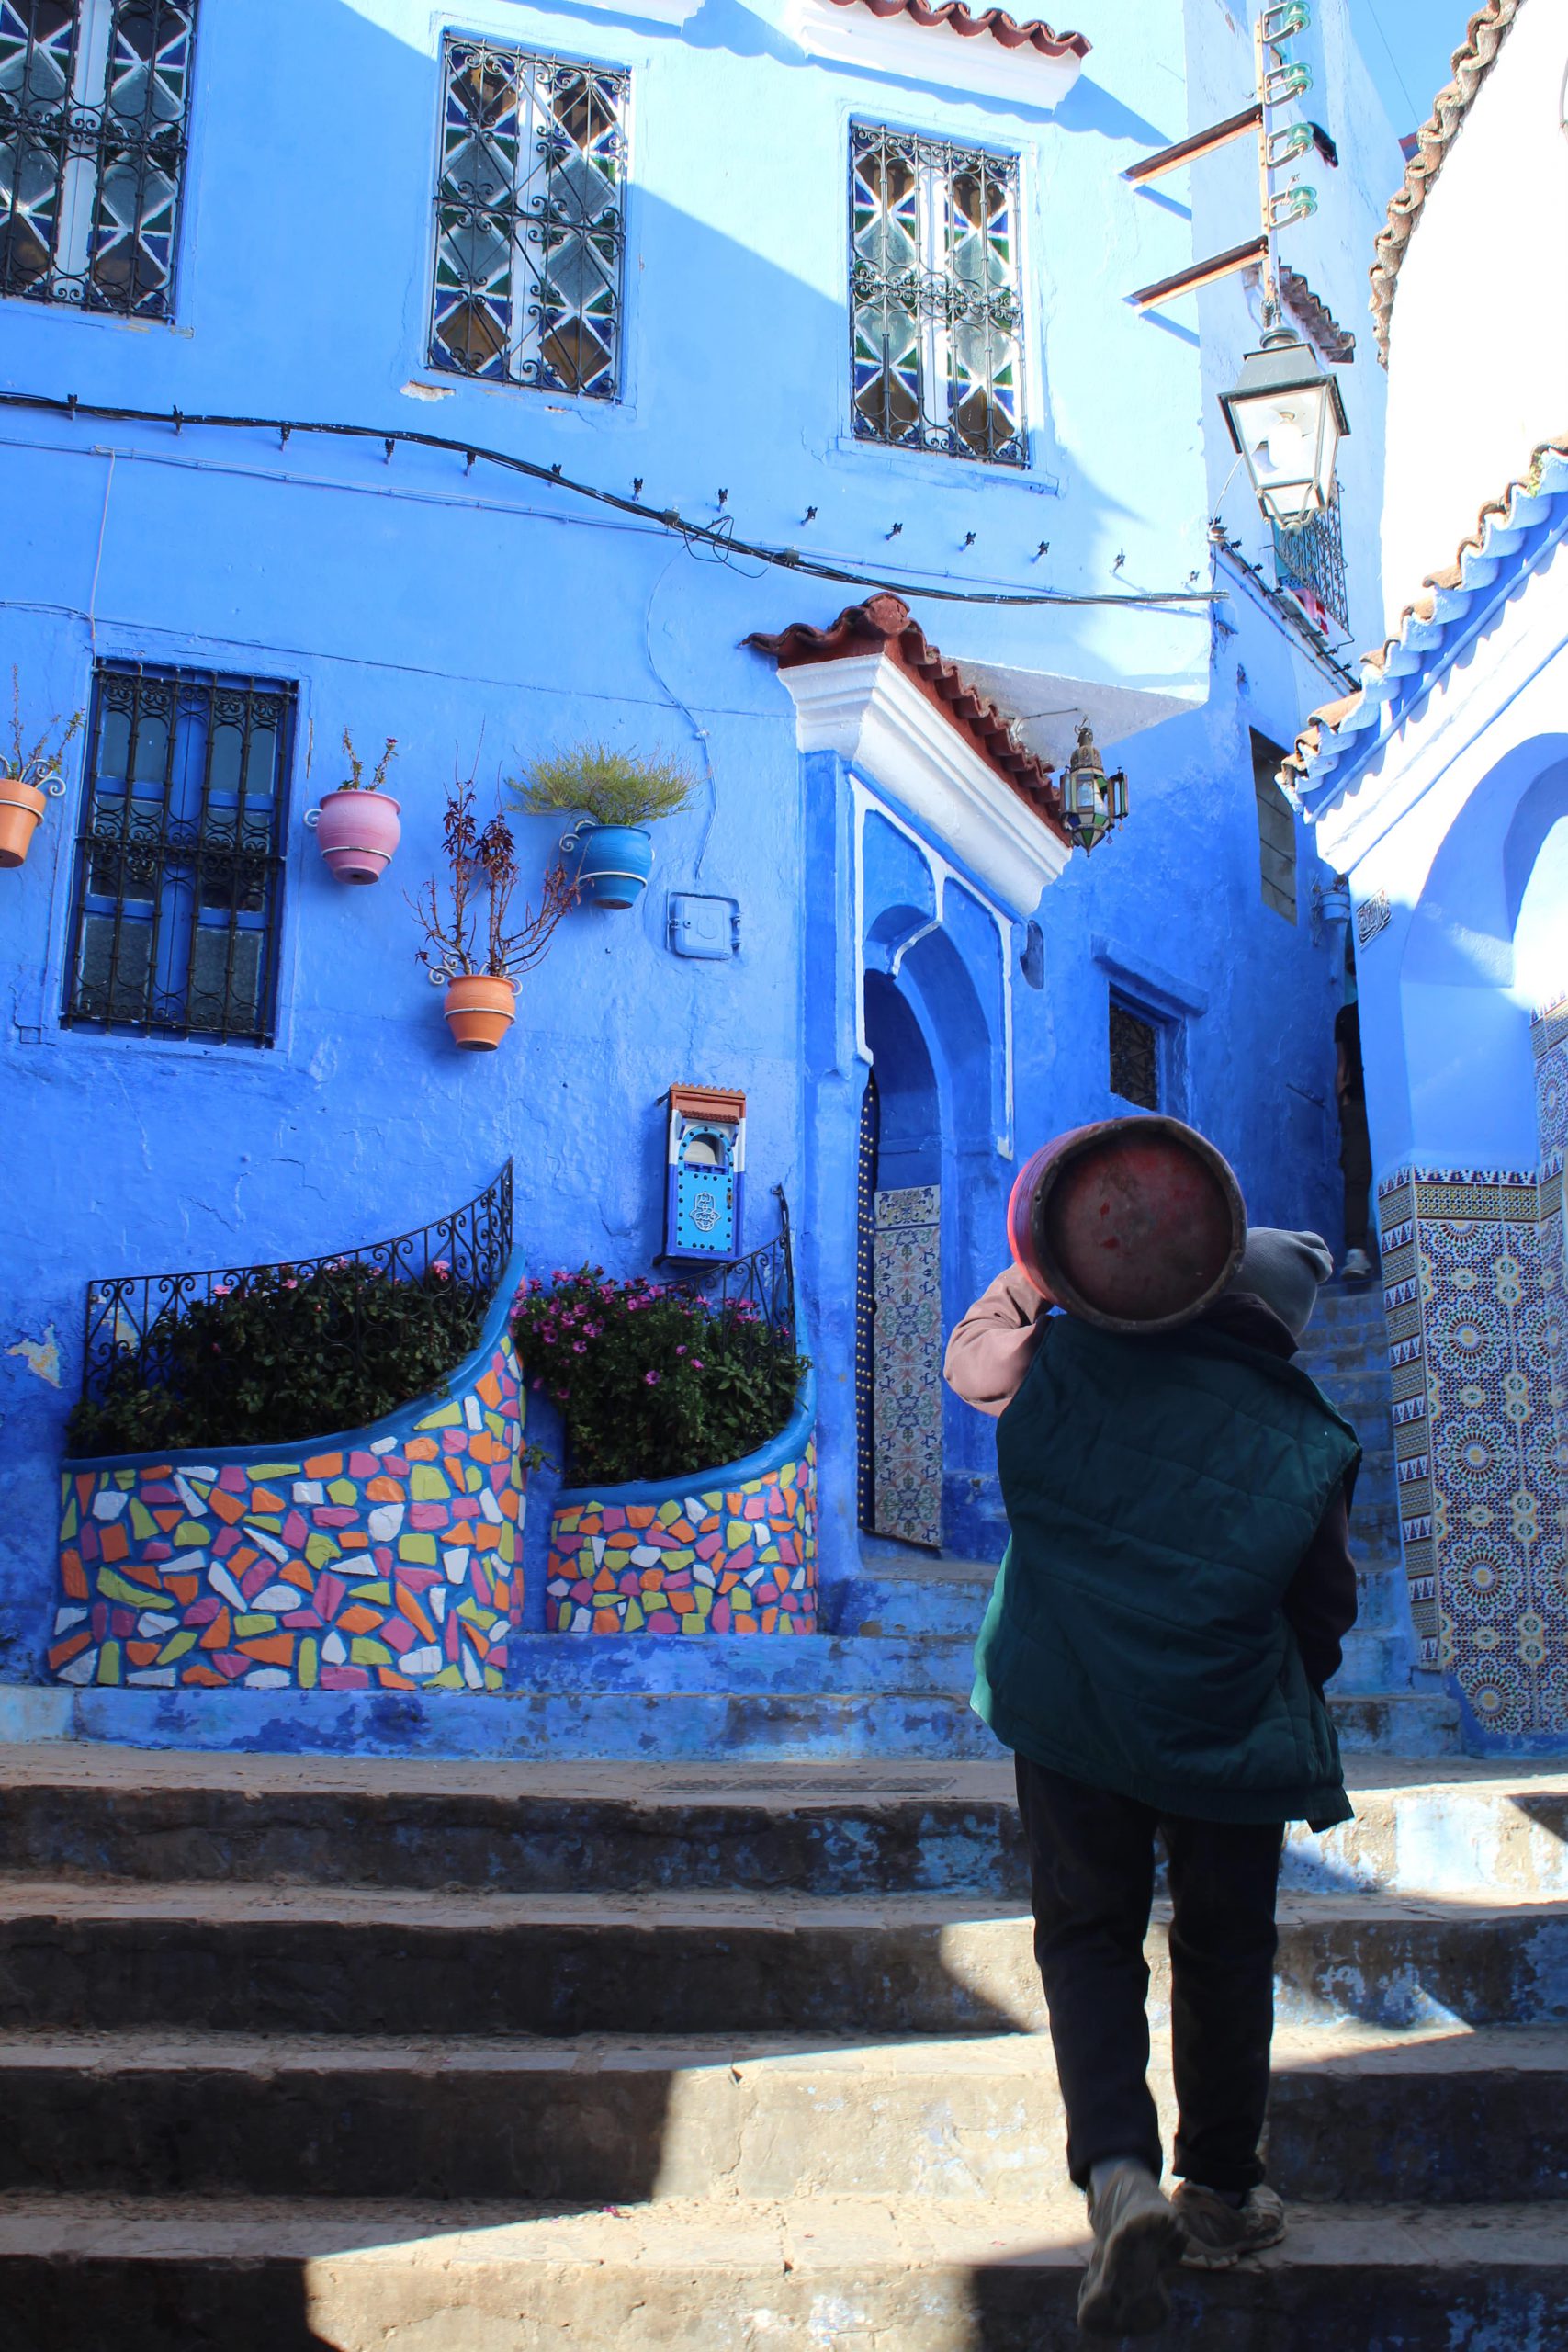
{"x": 357, "y": 832}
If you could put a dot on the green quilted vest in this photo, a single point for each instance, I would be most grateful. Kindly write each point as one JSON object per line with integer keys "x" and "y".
{"x": 1161, "y": 1494}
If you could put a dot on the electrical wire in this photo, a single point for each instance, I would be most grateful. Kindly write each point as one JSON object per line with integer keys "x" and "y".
{"x": 716, "y": 541}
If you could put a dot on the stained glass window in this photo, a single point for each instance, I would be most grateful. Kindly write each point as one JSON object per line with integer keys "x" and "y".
{"x": 938, "y": 323}
{"x": 530, "y": 227}
{"x": 94, "y": 101}
{"x": 179, "y": 859}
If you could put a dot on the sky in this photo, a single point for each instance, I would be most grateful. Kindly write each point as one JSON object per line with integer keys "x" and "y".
{"x": 1407, "y": 45}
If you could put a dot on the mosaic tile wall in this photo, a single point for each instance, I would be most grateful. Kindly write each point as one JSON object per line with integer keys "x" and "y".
{"x": 907, "y": 1348}
{"x": 1474, "y": 1276}
{"x": 726, "y": 1560}
{"x": 389, "y": 1562}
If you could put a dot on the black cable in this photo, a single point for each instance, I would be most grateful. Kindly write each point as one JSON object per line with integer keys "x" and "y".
{"x": 719, "y": 538}
{"x": 1316, "y": 644}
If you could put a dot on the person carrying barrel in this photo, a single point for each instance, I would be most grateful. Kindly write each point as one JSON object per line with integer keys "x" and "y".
{"x": 1173, "y": 1600}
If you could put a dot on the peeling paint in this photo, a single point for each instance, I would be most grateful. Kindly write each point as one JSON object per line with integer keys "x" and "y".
{"x": 40, "y": 1356}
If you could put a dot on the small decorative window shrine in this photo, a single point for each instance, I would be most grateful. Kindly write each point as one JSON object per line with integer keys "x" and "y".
{"x": 703, "y": 1201}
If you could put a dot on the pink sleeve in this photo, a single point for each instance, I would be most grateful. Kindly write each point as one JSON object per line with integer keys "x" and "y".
{"x": 994, "y": 1346}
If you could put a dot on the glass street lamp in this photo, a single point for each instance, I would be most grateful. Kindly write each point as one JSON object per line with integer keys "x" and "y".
{"x": 1092, "y": 802}
{"x": 1286, "y": 418}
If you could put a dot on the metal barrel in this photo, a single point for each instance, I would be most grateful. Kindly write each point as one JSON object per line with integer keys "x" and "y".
{"x": 1136, "y": 1224}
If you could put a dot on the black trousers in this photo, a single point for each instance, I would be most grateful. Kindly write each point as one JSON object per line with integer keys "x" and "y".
{"x": 1092, "y": 1865}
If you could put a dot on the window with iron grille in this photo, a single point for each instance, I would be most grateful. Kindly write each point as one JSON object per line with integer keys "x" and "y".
{"x": 1275, "y": 829}
{"x": 530, "y": 230}
{"x": 1134, "y": 1056}
{"x": 1310, "y": 563}
{"x": 938, "y": 322}
{"x": 94, "y": 101}
{"x": 179, "y": 859}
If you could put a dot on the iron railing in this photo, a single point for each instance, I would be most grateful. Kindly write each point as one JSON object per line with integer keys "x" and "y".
{"x": 1309, "y": 562}
{"x": 131, "y": 1319}
{"x": 756, "y": 1288}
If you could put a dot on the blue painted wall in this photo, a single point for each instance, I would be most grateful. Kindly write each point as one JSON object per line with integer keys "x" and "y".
{"x": 479, "y": 618}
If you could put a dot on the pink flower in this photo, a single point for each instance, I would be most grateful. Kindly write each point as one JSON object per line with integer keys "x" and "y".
{"x": 291, "y": 1285}
{"x": 696, "y": 1364}
{"x": 651, "y": 1379}
{"x": 681, "y": 1350}
{"x": 536, "y": 1384}
{"x": 579, "y": 1346}
{"x": 440, "y": 1266}
{"x": 222, "y": 1290}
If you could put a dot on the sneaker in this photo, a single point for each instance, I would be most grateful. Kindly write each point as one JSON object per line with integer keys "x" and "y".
{"x": 1137, "y": 2238}
{"x": 1219, "y": 2234}
{"x": 1358, "y": 1266}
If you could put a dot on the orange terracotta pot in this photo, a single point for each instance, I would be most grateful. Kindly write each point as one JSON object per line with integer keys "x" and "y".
{"x": 21, "y": 810}
{"x": 479, "y": 1011}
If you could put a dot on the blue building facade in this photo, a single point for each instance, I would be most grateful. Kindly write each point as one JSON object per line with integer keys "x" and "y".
{"x": 315, "y": 346}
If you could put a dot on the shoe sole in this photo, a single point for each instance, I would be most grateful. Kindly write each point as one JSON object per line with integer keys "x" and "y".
{"x": 1128, "y": 2295}
{"x": 1201, "y": 2257}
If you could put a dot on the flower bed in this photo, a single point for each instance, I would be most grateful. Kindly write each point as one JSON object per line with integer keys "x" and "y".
{"x": 386, "y": 1558}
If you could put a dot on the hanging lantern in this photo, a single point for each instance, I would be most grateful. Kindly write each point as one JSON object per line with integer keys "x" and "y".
{"x": 1286, "y": 419}
{"x": 1092, "y": 802}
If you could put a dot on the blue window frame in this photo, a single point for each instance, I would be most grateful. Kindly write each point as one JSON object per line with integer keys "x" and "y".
{"x": 179, "y": 857}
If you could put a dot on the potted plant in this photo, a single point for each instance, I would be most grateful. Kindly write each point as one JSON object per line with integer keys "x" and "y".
{"x": 480, "y": 975}
{"x": 28, "y": 779}
{"x": 358, "y": 825}
{"x": 614, "y": 795}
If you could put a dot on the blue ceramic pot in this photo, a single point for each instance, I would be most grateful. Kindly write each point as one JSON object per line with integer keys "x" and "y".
{"x": 613, "y": 864}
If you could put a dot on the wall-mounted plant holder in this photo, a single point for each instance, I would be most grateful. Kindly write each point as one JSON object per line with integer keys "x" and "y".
{"x": 357, "y": 832}
{"x": 611, "y": 863}
{"x": 480, "y": 1007}
{"x": 21, "y": 813}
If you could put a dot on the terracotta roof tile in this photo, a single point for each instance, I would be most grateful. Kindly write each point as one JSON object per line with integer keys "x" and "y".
{"x": 884, "y": 624}
{"x": 1484, "y": 36}
{"x": 1336, "y": 343}
{"x": 1002, "y": 28}
{"x": 1497, "y": 515}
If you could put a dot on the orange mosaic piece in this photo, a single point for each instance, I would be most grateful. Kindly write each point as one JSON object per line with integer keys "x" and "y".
{"x": 323, "y": 1466}
{"x": 358, "y": 1619}
{"x": 73, "y": 1575}
{"x": 216, "y": 1635}
{"x": 270, "y": 1649}
{"x": 228, "y": 1507}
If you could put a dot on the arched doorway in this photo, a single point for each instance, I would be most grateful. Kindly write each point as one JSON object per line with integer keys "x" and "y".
{"x": 898, "y": 1302}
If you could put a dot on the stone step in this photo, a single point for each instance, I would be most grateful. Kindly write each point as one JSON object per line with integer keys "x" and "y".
{"x": 1397, "y": 1723}
{"x": 1357, "y": 2116}
{"x": 865, "y": 2274}
{"x": 76, "y": 1810}
{"x": 949, "y": 1601}
{"x": 352, "y": 1961}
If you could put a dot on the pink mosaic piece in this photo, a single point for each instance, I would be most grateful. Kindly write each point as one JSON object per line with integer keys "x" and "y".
{"x": 724, "y": 1560}
{"x": 394, "y": 1565}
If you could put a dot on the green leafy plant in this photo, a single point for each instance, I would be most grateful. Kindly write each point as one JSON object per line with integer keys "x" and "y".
{"x": 42, "y": 765}
{"x": 278, "y": 1356}
{"x": 481, "y": 876}
{"x": 608, "y": 786}
{"x": 653, "y": 1383}
{"x": 354, "y": 780}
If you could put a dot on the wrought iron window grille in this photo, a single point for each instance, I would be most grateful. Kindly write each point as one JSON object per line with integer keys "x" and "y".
{"x": 937, "y": 315}
{"x": 530, "y": 229}
{"x": 179, "y": 859}
{"x": 1309, "y": 563}
{"x": 95, "y": 100}
{"x": 131, "y": 1318}
{"x": 1134, "y": 1056}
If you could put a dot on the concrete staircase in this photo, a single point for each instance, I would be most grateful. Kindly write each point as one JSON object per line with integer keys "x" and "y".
{"x": 505, "y": 2058}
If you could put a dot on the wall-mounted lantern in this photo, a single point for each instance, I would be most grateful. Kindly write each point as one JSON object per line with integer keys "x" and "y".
{"x": 1286, "y": 419}
{"x": 1092, "y": 802}
{"x": 704, "y": 1200}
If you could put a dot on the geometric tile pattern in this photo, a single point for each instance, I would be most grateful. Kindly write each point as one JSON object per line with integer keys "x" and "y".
{"x": 1472, "y": 1275}
{"x": 391, "y": 1563}
{"x": 724, "y": 1560}
{"x": 906, "y": 1364}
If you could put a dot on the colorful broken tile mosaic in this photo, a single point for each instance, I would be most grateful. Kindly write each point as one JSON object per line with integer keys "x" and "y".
{"x": 737, "y": 1559}
{"x": 1472, "y": 1275}
{"x": 387, "y": 1561}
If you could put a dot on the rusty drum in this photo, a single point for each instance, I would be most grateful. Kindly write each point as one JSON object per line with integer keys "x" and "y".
{"x": 1136, "y": 1224}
